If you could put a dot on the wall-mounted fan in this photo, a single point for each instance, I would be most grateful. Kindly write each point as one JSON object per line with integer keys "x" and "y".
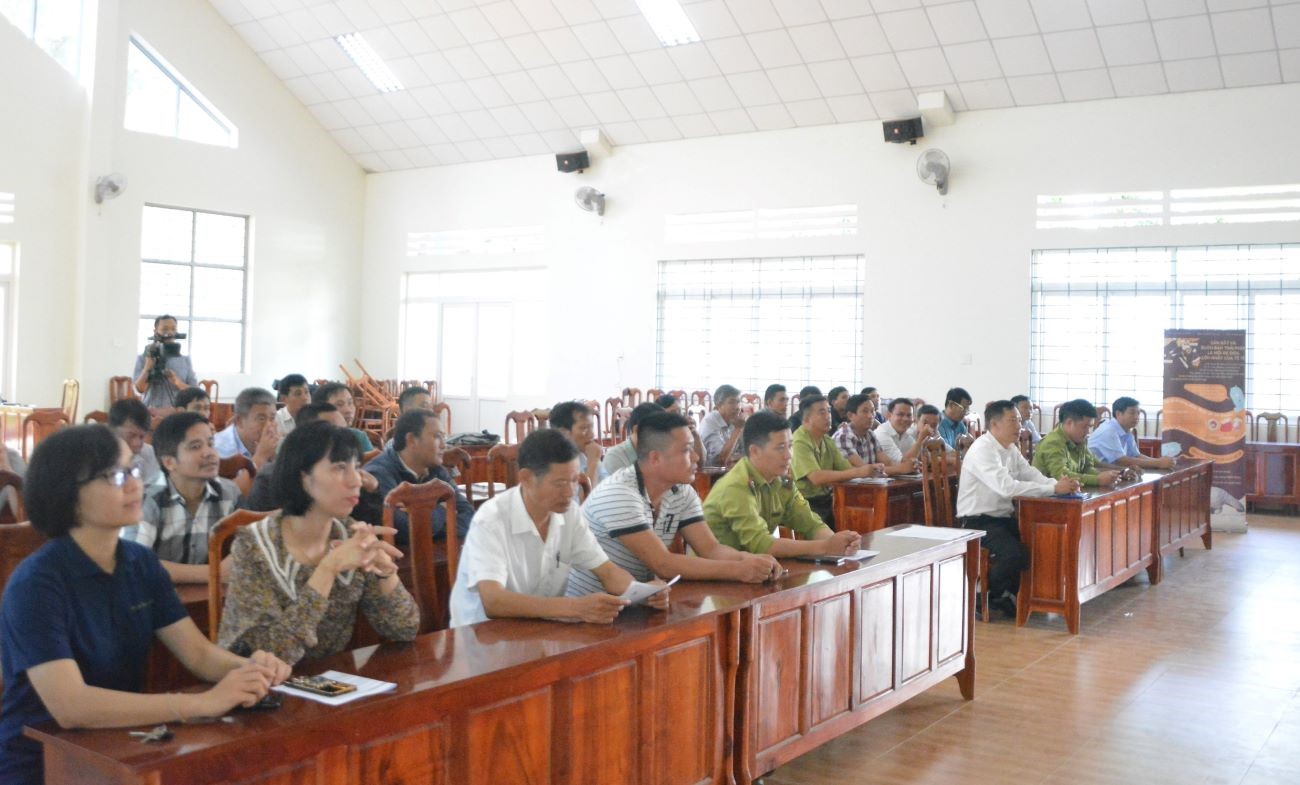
{"x": 933, "y": 168}
{"x": 590, "y": 199}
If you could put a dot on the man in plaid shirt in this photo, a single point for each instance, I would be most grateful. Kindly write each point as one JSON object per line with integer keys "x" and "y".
{"x": 175, "y": 521}
{"x": 856, "y": 440}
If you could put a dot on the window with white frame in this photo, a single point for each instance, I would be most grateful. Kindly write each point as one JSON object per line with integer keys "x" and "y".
{"x": 8, "y": 268}
{"x": 1098, "y": 318}
{"x": 55, "y": 25}
{"x": 194, "y": 266}
{"x": 160, "y": 101}
{"x": 754, "y": 322}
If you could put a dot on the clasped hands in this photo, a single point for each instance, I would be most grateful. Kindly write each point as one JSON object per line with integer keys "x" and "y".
{"x": 365, "y": 551}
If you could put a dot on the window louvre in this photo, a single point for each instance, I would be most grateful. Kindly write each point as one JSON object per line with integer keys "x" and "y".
{"x": 489, "y": 240}
{"x": 753, "y": 322}
{"x": 1098, "y": 318}
{"x": 6, "y": 208}
{"x": 836, "y": 220}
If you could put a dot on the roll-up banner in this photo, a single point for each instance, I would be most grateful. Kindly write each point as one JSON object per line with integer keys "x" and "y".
{"x": 1205, "y": 413}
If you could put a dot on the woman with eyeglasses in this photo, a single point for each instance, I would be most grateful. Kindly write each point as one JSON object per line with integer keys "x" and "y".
{"x": 80, "y": 614}
{"x": 298, "y": 577}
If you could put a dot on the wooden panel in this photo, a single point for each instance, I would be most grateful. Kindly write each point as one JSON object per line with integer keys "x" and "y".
{"x": 950, "y": 627}
{"x": 875, "y": 640}
{"x": 605, "y": 733}
{"x": 1048, "y": 548}
{"x": 831, "y": 659}
{"x": 415, "y": 758}
{"x": 778, "y": 650}
{"x": 1101, "y": 546}
{"x": 901, "y": 511}
{"x": 914, "y": 620}
{"x": 510, "y": 741}
{"x": 686, "y": 719}
{"x": 300, "y": 774}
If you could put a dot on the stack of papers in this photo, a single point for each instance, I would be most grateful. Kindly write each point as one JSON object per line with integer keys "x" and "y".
{"x": 638, "y": 592}
{"x": 870, "y": 480}
{"x": 927, "y": 532}
{"x": 364, "y": 689}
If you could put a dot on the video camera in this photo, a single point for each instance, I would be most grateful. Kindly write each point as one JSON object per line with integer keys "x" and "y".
{"x": 160, "y": 349}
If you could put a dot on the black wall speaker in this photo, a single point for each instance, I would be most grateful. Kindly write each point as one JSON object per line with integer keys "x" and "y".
{"x": 576, "y": 162}
{"x": 900, "y": 131}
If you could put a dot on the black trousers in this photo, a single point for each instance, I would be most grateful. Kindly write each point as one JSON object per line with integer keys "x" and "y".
{"x": 824, "y": 507}
{"x": 1010, "y": 556}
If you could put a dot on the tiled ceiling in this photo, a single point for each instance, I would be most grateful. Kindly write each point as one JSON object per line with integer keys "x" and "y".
{"x": 502, "y": 78}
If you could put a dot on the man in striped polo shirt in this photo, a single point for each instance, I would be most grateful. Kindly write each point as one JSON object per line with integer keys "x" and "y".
{"x": 638, "y": 511}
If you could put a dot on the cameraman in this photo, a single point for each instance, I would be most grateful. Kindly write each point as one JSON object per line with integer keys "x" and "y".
{"x": 161, "y": 370}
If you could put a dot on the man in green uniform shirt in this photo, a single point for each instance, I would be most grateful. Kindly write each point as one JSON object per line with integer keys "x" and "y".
{"x": 818, "y": 461}
{"x": 1064, "y": 450}
{"x": 745, "y": 507}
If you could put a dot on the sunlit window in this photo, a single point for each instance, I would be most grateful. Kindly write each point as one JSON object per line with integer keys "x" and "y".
{"x": 55, "y": 26}
{"x": 160, "y": 101}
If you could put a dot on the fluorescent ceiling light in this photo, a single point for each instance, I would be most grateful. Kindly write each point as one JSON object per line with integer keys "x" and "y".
{"x": 669, "y": 21}
{"x": 379, "y": 74}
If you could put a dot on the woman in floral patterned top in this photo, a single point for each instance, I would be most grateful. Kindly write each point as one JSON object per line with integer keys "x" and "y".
{"x": 299, "y": 576}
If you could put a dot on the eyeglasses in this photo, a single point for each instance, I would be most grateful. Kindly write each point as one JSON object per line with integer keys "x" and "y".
{"x": 116, "y": 477}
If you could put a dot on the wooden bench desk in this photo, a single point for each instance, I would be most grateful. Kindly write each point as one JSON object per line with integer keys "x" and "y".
{"x": 732, "y": 681}
{"x": 1081, "y": 548}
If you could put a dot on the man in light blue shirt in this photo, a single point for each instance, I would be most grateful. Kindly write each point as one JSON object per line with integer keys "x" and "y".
{"x": 952, "y": 424}
{"x": 158, "y": 388}
{"x": 252, "y": 433}
{"x": 1113, "y": 441}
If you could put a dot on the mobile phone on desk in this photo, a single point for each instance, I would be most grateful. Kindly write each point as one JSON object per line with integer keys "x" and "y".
{"x": 319, "y": 685}
{"x": 823, "y": 558}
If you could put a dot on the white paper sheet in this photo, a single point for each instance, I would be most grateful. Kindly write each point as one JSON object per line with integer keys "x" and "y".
{"x": 862, "y": 555}
{"x": 364, "y": 688}
{"x": 927, "y": 532}
{"x": 638, "y": 592}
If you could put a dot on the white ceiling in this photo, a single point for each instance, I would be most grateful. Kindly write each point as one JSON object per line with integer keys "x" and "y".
{"x": 501, "y": 78}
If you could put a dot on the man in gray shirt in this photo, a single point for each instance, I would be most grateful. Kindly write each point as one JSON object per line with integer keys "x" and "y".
{"x": 721, "y": 428}
{"x": 161, "y": 370}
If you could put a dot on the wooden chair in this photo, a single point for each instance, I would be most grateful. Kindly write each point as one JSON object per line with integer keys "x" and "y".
{"x": 680, "y": 395}
{"x": 120, "y": 387}
{"x": 1271, "y": 431}
{"x": 973, "y": 425}
{"x": 752, "y": 399}
{"x": 1056, "y": 416}
{"x": 96, "y": 416}
{"x": 543, "y": 416}
{"x": 502, "y": 467}
{"x": 597, "y": 421}
{"x": 1026, "y": 444}
{"x": 11, "y": 513}
{"x": 1103, "y": 414}
{"x": 432, "y": 386}
{"x": 419, "y": 502}
{"x": 443, "y": 412}
{"x": 697, "y": 412}
{"x": 702, "y": 398}
{"x": 1159, "y": 413}
{"x": 941, "y": 508}
{"x": 222, "y": 414}
{"x": 653, "y": 393}
{"x": 631, "y": 396}
{"x": 610, "y": 410}
{"x": 212, "y": 388}
{"x": 457, "y": 462}
{"x": 620, "y": 423}
{"x": 1140, "y": 430}
{"x": 964, "y": 441}
{"x": 40, "y": 424}
{"x": 17, "y": 542}
{"x": 524, "y": 423}
{"x": 219, "y": 542}
{"x": 239, "y": 469}
{"x": 71, "y": 397}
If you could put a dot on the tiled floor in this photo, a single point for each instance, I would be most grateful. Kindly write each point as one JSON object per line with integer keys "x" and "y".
{"x": 1193, "y": 681}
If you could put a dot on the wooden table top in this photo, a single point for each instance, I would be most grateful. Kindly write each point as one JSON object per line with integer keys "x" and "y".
{"x": 1149, "y": 476}
{"x": 444, "y": 662}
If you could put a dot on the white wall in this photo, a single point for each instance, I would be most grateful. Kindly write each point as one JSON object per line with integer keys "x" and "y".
{"x": 79, "y": 284}
{"x": 949, "y": 298}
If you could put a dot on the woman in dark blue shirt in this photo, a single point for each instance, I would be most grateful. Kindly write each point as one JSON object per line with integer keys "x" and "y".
{"x": 80, "y": 614}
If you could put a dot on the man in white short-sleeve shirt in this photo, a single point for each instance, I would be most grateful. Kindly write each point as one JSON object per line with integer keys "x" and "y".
{"x": 518, "y": 554}
{"x": 636, "y": 514}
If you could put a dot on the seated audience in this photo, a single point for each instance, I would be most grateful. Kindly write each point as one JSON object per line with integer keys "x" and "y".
{"x": 623, "y": 454}
{"x": 1114, "y": 443}
{"x": 839, "y": 401}
{"x": 1063, "y": 452}
{"x": 299, "y": 577}
{"x": 669, "y": 403}
{"x": 721, "y": 430}
{"x": 418, "y": 460}
{"x": 519, "y": 552}
{"x": 748, "y": 503}
{"x": 408, "y": 400}
{"x": 993, "y": 474}
{"x": 1026, "y": 409}
{"x": 955, "y": 408}
{"x": 338, "y": 395}
{"x": 796, "y": 419}
{"x": 638, "y": 511}
{"x": 80, "y": 615}
{"x": 858, "y": 443}
{"x": 252, "y": 433}
{"x": 776, "y": 400}
{"x": 573, "y": 419}
{"x": 874, "y": 395}
{"x": 194, "y": 399}
{"x": 900, "y": 441}
{"x": 818, "y": 461}
{"x": 262, "y": 498}
{"x": 131, "y": 422}
{"x": 294, "y": 393}
{"x": 175, "y": 520}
